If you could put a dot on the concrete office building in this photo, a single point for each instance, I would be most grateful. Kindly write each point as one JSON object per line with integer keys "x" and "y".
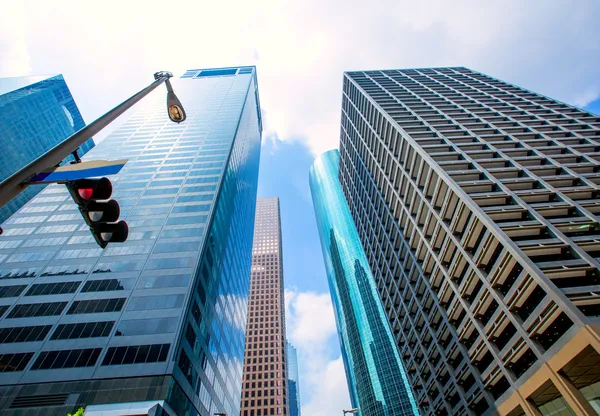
{"x": 476, "y": 202}
{"x": 377, "y": 383}
{"x": 265, "y": 390}
{"x": 158, "y": 321}
{"x": 36, "y": 113}
{"x": 293, "y": 380}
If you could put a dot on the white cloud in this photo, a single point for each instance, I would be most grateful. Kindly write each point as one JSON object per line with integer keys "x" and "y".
{"x": 311, "y": 329}
{"x": 331, "y": 396}
{"x": 14, "y": 59}
{"x": 310, "y": 318}
{"x": 587, "y": 96}
{"x": 301, "y": 48}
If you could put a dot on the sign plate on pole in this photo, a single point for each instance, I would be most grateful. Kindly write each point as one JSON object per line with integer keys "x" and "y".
{"x": 87, "y": 169}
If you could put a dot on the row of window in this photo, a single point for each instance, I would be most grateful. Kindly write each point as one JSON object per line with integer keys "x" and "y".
{"x": 142, "y": 303}
{"x": 136, "y": 354}
{"x": 24, "y": 334}
{"x": 89, "y": 330}
{"x": 52, "y": 288}
{"x": 48, "y": 360}
{"x": 37, "y": 309}
{"x": 83, "y": 330}
{"x": 11, "y": 291}
{"x": 147, "y": 326}
{"x": 86, "y": 357}
{"x": 106, "y": 285}
{"x": 96, "y": 306}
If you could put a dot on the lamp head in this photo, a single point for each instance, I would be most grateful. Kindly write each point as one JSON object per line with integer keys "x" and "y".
{"x": 174, "y": 107}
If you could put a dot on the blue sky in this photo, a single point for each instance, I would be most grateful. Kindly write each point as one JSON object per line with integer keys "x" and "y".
{"x": 109, "y": 50}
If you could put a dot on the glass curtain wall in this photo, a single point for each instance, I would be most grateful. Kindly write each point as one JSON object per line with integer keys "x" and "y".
{"x": 376, "y": 379}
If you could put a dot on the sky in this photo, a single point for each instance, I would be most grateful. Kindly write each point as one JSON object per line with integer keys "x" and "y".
{"x": 110, "y": 50}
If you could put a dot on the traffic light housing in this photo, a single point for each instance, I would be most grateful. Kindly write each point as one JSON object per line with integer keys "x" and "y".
{"x": 100, "y": 213}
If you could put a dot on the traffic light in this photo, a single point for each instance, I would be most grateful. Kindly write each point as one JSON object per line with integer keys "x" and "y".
{"x": 99, "y": 212}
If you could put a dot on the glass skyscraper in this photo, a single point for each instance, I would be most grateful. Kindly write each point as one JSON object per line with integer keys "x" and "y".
{"x": 293, "y": 380}
{"x": 376, "y": 379}
{"x": 158, "y": 321}
{"x": 477, "y": 205}
{"x": 36, "y": 113}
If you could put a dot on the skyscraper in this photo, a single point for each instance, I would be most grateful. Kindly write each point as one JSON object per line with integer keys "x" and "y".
{"x": 476, "y": 202}
{"x": 36, "y": 113}
{"x": 160, "y": 319}
{"x": 265, "y": 389}
{"x": 376, "y": 380}
{"x": 293, "y": 380}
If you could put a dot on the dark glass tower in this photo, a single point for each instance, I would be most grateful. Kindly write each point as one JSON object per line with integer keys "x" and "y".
{"x": 159, "y": 320}
{"x": 477, "y": 204}
{"x": 293, "y": 380}
{"x": 377, "y": 382}
{"x": 36, "y": 113}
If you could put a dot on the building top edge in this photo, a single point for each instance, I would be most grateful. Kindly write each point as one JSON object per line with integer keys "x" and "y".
{"x": 462, "y": 68}
{"x": 11, "y": 84}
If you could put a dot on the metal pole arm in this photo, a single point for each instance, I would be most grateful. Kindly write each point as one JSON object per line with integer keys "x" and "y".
{"x": 15, "y": 184}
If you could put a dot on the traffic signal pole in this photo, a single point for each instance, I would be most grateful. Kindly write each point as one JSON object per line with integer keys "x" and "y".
{"x": 16, "y": 183}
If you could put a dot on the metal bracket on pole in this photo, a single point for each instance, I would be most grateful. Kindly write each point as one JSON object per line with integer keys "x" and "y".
{"x": 76, "y": 156}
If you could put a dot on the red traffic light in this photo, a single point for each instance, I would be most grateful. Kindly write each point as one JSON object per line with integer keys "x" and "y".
{"x": 85, "y": 193}
{"x": 92, "y": 189}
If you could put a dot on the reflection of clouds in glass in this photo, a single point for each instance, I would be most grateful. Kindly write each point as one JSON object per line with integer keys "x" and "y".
{"x": 370, "y": 356}
{"x": 69, "y": 115}
{"x": 238, "y": 302}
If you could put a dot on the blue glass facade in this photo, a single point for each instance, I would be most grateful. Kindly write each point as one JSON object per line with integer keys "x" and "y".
{"x": 293, "y": 380}
{"x": 36, "y": 113}
{"x": 376, "y": 379}
{"x": 162, "y": 316}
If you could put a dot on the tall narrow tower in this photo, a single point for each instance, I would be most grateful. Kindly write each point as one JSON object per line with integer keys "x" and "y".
{"x": 377, "y": 382}
{"x": 158, "y": 320}
{"x": 293, "y": 381}
{"x": 477, "y": 204}
{"x": 264, "y": 390}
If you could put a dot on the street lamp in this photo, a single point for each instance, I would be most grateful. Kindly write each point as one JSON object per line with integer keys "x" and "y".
{"x": 220, "y": 413}
{"x": 16, "y": 183}
{"x": 350, "y": 411}
{"x": 174, "y": 107}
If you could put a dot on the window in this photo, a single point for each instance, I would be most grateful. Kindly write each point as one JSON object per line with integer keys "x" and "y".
{"x": 53, "y": 288}
{"x": 216, "y": 72}
{"x": 118, "y": 266}
{"x": 67, "y": 270}
{"x": 14, "y": 362}
{"x": 179, "y": 280}
{"x": 37, "y": 309}
{"x": 170, "y": 263}
{"x": 106, "y": 285}
{"x": 183, "y": 232}
{"x": 19, "y": 273}
{"x": 147, "y": 326}
{"x": 96, "y": 306}
{"x": 136, "y": 354}
{"x": 142, "y": 303}
{"x": 48, "y": 360}
{"x": 11, "y": 291}
{"x": 24, "y": 333}
{"x": 83, "y": 330}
